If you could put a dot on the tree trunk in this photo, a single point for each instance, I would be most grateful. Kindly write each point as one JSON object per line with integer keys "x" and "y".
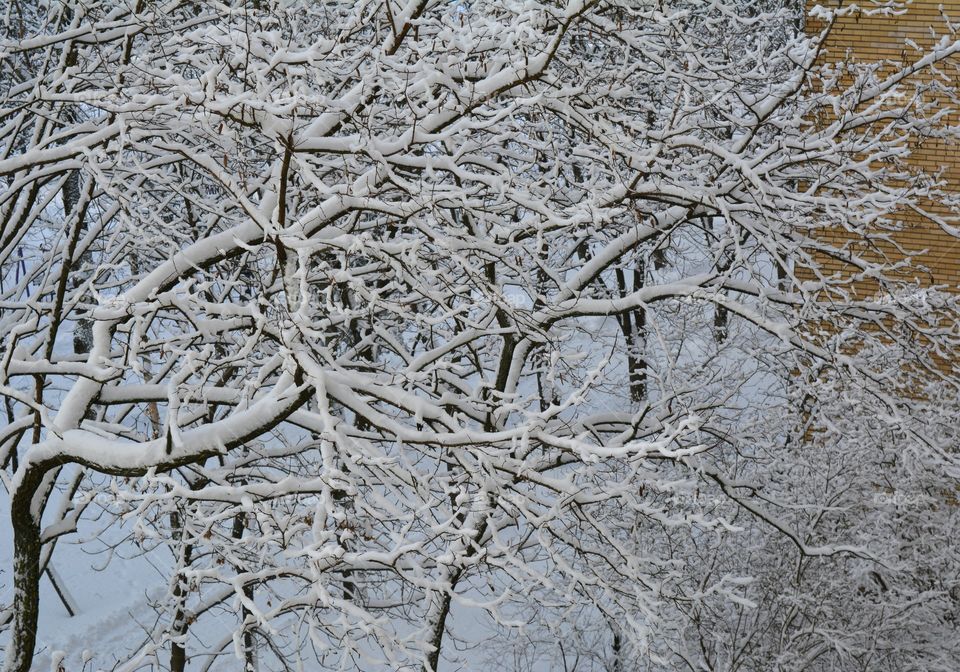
{"x": 26, "y": 573}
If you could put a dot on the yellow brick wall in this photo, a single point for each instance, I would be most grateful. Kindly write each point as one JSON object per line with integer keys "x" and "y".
{"x": 862, "y": 37}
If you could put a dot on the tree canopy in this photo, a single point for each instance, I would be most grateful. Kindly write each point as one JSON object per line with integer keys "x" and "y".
{"x": 422, "y": 335}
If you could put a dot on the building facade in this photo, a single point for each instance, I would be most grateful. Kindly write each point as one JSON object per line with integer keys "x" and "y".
{"x": 895, "y": 37}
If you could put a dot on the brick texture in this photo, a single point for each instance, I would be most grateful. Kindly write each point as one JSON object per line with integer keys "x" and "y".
{"x": 894, "y": 39}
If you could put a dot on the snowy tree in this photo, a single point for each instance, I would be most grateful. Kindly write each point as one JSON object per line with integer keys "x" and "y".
{"x": 383, "y": 328}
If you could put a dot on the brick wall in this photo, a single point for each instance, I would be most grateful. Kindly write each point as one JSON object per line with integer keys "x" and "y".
{"x": 861, "y": 37}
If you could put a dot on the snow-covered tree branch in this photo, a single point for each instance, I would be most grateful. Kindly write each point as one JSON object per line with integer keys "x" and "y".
{"x": 385, "y": 329}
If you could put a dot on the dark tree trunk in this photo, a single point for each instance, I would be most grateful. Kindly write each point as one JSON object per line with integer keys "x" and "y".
{"x": 179, "y": 627}
{"x": 26, "y": 572}
{"x": 633, "y": 325}
{"x": 249, "y": 652}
